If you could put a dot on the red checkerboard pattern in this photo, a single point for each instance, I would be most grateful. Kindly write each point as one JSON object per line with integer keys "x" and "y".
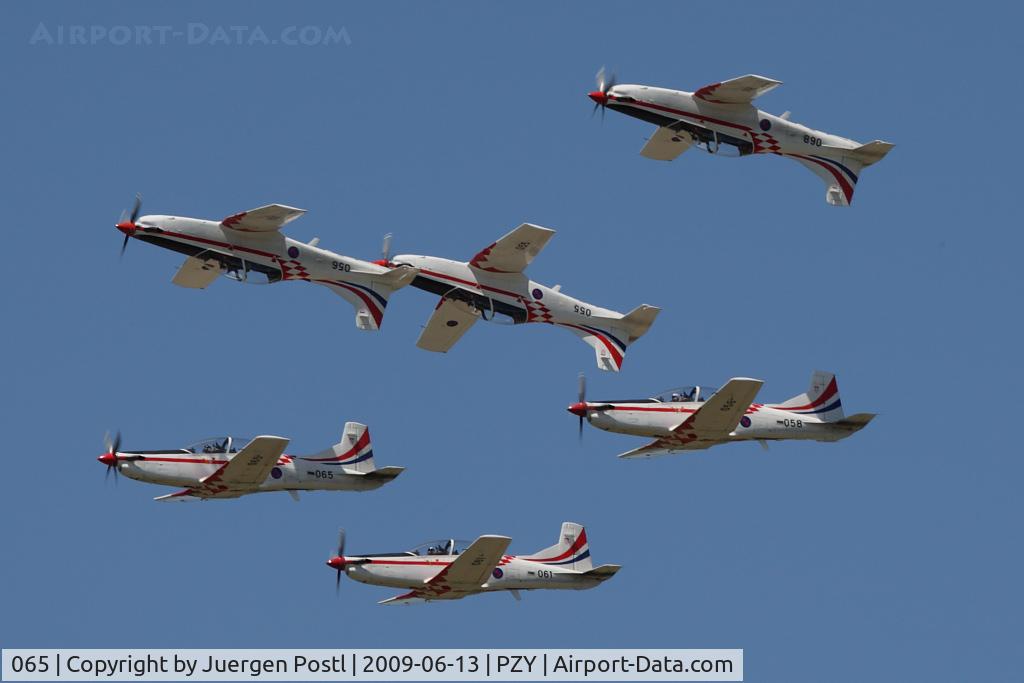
{"x": 292, "y": 270}
{"x": 765, "y": 143}
{"x": 536, "y": 312}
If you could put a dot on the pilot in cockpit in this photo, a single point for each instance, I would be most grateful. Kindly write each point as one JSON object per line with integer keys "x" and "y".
{"x": 676, "y": 397}
{"x": 438, "y": 549}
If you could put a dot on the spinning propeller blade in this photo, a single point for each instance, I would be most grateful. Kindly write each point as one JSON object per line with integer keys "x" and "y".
{"x": 136, "y": 207}
{"x": 340, "y": 566}
{"x": 600, "y": 96}
{"x": 581, "y": 397}
{"x": 110, "y": 457}
{"x": 385, "y": 249}
{"x": 127, "y": 224}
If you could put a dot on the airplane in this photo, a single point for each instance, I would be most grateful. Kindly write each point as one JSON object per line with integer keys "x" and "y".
{"x": 249, "y": 247}
{"x": 696, "y": 418}
{"x": 492, "y": 283}
{"x": 450, "y": 569}
{"x": 230, "y": 467}
{"x": 722, "y": 114}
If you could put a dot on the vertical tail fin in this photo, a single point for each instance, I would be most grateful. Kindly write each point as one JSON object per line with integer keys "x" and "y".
{"x": 572, "y": 550}
{"x": 371, "y": 299}
{"x": 610, "y": 337}
{"x": 354, "y": 452}
{"x": 820, "y": 401}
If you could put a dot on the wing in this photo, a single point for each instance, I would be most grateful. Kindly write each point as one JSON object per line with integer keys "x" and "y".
{"x": 710, "y": 425}
{"x": 513, "y": 252}
{"x": 450, "y": 320}
{"x": 264, "y": 219}
{"x": 666, "y": 144}
{"x": 244, "y": 472}
{"x": 463, "y": 577}
{"x": 471, "y": 569}
{"x": 742, "y": 90}
{"x": 196, "y": 273}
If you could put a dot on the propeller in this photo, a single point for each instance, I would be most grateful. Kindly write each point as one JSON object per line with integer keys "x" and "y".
{"x": 127, "y": 224}
{"x": 600, "y": 96}
{"x": 340, "y": 564}
{"x": 109, "y": 458}
{"x": 385, "y": 252}
{"x": 581, "y": 397}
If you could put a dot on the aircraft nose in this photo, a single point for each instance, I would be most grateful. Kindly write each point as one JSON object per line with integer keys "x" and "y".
{"x": 107, "y": 459}
{"x": 336, "y": 562}
{"x": 599, "y": 97}
{"x": 578, "y": 409}
{"x": 127, "y": 227}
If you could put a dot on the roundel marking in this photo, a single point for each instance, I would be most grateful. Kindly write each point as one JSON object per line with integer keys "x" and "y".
{"x": 293, "y": 252}
{"x": 765, "y": 124}
{"x": 745, "y": 421}
{"x": 497, "y": 573}
{"x": 276, "y": 473}
{"x": 537, "y": 294}
{"x": 452, "y": 323}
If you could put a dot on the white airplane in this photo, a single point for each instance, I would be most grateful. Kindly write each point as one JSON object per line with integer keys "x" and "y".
{"x": 229, "y": 467}
{"x": 722, "y": 114}
{"x": 450, "y": 569}
{"x": 249, "y": 247}
{"x": 492, "y": 283}
{"x": 695, "y": 418}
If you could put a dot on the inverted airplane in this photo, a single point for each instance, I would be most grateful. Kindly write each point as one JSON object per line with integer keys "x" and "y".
{"x": 721, "y": 117}
{"x": 249, "y": 247}
{"x": 492, "y": 283}
{"x": 449, "y": 569}
{"x": 694, "y": 418}
{"x": 230, "y": 467}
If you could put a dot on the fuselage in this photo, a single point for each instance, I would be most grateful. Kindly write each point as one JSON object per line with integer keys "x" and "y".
{"x": 272, "y": 254}
{"x": 411, "y": 571}
{"x": 510, "y": 294}
{"x": 654, "y": 418}
{"x": 749, "y": 129}
{"x": 291, "y": 473}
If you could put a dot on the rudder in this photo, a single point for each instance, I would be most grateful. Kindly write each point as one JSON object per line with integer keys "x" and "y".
{"x": 354, "y": 452}
{"x": 821, "y": 399}
{"x": 572, "y": 550}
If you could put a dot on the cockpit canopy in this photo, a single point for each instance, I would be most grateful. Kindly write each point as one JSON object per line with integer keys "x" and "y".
{"x": 686, "y": 394}
{"x": 443, "y": 546}
{"x": 219, "y": 444}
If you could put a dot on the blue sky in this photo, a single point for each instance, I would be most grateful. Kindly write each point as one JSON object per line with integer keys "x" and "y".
{"x": 892, "y": 555}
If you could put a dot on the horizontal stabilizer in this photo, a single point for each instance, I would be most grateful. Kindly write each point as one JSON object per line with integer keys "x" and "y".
{"x": 871, "y": 152}
{"x": 854, "y": 423}
{"x": 385, "y": 473}
{"x": 639, "y": 320}
{"x": 604, "y": 572}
